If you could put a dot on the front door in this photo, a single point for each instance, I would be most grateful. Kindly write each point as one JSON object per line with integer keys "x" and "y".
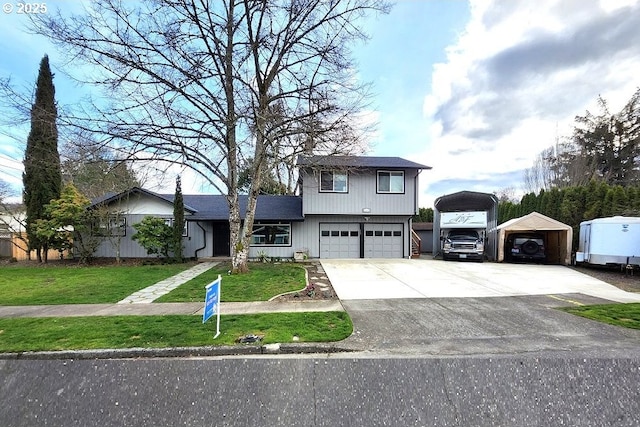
{"x": 221, "y": 238}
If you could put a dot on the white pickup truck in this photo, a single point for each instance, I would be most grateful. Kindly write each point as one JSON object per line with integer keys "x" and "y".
{"x": 463, "y": 235}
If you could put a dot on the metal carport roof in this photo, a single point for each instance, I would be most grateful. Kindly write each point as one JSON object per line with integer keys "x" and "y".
{"x": 466, "y": 201}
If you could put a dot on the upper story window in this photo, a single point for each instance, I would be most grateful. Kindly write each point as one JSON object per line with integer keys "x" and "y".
{"x": 334, "y": 182}
{"x": 390, "y": 182}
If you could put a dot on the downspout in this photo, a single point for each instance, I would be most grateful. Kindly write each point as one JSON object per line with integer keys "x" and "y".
{"x": 204, "y": 242}
{"x": 410, "y": 241}
{"x": 415, "y": 192}
{"x": 416, "y": 210}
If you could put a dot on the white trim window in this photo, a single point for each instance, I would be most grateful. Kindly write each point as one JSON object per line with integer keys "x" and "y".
{"x": 185, "y": 230}
{"x": 112, "y": 226}
{"x": 334, "y": 182}
{"x": 391, "y": 182}
{"x": 271, "y": 235}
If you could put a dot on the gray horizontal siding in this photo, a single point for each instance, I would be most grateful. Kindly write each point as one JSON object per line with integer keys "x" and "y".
{"x": 361, "y": 195}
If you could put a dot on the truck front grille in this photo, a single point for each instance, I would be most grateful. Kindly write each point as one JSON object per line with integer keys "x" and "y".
{"x": 463, "y": 245}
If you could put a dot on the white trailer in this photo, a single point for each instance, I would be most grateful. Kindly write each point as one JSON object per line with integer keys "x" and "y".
{"x": 609, "y": 241}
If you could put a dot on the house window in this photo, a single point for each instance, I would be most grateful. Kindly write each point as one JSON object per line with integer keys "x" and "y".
{"x": 271, "y": 234}
{"x": 334, "y": 182}
{"x": 185, "y": 230}
{"x": 390, "y": 182}
{"x": 112, "y": 226}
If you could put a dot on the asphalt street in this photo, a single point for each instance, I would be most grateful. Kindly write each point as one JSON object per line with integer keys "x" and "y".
{"x": 316, "y": 391}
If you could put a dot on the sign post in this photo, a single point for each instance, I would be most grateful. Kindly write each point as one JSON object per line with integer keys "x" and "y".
{"x": 212, "y": 303}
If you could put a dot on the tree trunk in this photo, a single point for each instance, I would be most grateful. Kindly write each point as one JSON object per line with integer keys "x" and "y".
{"x": 239, "y": 245}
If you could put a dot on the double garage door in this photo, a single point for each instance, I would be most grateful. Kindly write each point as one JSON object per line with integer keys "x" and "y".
{"x": 361, "y": 240}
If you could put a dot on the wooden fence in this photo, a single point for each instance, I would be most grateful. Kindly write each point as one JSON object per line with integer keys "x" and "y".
{"x": 13, "y": 246}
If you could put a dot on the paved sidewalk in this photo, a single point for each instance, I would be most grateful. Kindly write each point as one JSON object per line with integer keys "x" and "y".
{"x": 158, "y": 309}
{"x": 153, "y": 292}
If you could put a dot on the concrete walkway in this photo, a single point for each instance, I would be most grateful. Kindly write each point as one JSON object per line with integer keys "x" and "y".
{"x": 153, "y": 292}
{"x": 160, "y": 309}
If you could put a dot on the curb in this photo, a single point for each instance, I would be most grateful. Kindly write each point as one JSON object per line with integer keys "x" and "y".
{"x": 208, "y": 351}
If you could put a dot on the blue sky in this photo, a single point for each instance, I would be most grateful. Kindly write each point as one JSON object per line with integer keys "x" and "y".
{"x": 475, "y": 89}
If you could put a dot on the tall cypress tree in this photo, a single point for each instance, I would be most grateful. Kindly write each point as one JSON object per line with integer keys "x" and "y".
{"x": 178, "y": 221}
{"x": 42, "y": 178}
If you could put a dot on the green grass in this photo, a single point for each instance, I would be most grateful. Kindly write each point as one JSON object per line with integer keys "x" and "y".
{"x": 262, "y": 282}
{"x": 626, "y": 315}
{"x": 73, "y": 333}
{"x": 20, "y": 285}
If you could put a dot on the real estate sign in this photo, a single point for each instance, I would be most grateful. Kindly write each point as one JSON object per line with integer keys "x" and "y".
{"x": 212, "y": 302}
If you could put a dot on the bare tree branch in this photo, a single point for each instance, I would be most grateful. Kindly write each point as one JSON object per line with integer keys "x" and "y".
{"x": 206, "y": 85}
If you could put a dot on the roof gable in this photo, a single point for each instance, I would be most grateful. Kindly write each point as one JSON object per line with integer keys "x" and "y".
{"x": 109, "y": 198}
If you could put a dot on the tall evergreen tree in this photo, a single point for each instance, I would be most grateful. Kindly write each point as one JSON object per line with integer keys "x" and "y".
{"x": 178, "y": 221}
{"x": 619, "y": 200}
{"x": 42, "y": 178}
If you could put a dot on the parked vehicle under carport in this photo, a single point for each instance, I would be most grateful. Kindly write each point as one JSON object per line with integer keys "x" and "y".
{"x": 557, "y": 237}
{"x": 463, "y": 243}
{"x": 522, "y": 247}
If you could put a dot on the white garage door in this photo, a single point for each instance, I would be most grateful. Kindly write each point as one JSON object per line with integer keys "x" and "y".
{"x": 383, "y": 241}
{"x": 339, "y": 240}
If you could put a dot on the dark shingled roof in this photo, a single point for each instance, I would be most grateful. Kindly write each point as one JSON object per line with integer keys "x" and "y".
{"x": 213, "y": 207}
{"x": 359, "y": 162}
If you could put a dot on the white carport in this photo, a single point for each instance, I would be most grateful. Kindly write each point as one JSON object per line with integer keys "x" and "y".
{"x": 558, "y": 236}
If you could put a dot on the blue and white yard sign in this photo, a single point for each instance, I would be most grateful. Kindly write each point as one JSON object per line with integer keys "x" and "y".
{"x": 212, "y": 302}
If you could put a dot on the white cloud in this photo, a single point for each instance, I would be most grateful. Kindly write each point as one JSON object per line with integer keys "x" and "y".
{"x": 515, "y": 80}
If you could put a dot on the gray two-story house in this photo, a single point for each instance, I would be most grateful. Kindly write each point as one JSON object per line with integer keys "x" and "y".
{"x": 348, "y": 207}
{"x": 359, "y": 207}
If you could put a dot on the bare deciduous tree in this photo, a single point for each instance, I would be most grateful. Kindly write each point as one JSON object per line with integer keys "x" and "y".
{"x": 194, "y": 83}
{"x": 95, "y": 169}
{"x": 559, "y": 166}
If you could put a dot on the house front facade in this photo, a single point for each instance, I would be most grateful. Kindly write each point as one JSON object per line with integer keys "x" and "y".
{"x": 348, "y": 207}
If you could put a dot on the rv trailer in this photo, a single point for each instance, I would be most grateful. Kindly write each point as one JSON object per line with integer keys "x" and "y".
{"x": 463, "y": 234}
{"x": 609, "y": 241}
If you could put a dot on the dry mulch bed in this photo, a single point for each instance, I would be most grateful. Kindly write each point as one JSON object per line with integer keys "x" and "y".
{"x": 318, "y": 287}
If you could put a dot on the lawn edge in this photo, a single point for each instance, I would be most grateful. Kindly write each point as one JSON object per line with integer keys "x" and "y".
{"x": 180, "y": 352}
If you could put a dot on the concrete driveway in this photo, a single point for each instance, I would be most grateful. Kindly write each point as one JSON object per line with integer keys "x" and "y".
{"x": 361, "y": 279}
{"x": 429, "y": 308}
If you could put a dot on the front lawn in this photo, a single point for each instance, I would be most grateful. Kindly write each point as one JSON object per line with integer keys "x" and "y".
{"x": 34, "y": 285}
{"x": 263, "y": 281}
{"x": 625, "y": 315}
{"x": 75, "y": 333}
